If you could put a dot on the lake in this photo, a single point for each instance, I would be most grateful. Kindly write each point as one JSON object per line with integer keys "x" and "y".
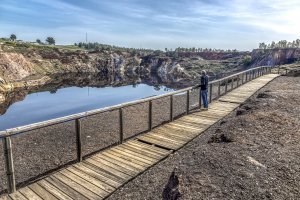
{"x": 45, "y": 105}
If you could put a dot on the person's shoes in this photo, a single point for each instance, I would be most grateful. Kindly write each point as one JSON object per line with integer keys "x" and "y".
{"x": 205, "y": 109}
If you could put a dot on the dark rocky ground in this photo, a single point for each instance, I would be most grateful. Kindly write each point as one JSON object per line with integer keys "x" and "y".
{"x": 251, "y": 154}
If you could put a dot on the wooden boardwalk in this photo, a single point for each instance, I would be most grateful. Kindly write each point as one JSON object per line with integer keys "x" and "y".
{"x": 100, "y": 175}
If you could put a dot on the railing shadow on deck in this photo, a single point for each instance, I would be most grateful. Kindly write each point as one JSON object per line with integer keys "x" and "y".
{"x": 54, "y": 144}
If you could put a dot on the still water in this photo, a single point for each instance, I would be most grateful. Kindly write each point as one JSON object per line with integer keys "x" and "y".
{"x": 47, "y": 105}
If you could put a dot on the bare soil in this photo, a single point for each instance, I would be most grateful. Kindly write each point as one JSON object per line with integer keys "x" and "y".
{"x": 251, "y": 154}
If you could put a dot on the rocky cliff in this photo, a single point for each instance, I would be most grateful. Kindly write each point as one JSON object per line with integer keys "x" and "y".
{"x": 272, "y": 57}
{"x": 32, "y": 65}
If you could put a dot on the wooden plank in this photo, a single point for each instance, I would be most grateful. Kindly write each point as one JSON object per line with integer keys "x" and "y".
{"x": 81, "y": 181}
{"x": 200, "y": 119}
{"x": 114, "y": 166}
{"x": 158, "y": 142}
{"x": 113, "y": 171}
{"x": 53, "y": 190}
{"x": 197, "y": 122}
{"x": 155, "y": 149}
{"x": 178, "y": 131}
{"x": 165, "y": 139}
{"x": 183, "y": 130}
{"x": 130, "y": 156}
{"x": 115, "y": 152}
{"x": 6, "y": 197}
{"x": 74, "y": 185}
{"x": 29, "y": 194}
{"x": 68, "y": 190}
{"x": 17, "y": 196}
{"x": 126, "y": 161}
{"x": 139, "y": 157}
{"x": 105, "y": 173}
{"x": 177, "y": 134}
{"x": 116, "y": 162}
{"x": 142, "y": 151}
{"x": 145, "y": 150}
{"x": 99, "y": 176}
{"x": 107, "y": 188}
{"x": 198, "y": 127}
{"x": 184, "y": 127}
{"x": 173, "y": 135}
{"x": 44, "y": 194}
{"x": 143, "y": 158}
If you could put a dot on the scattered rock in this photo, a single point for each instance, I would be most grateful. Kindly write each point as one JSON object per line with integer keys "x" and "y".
{"x": 222, "y": 122}
{"x": 255, "y": 162}
{"x": 264, "y": 95}
{"x": 171, "y": 190}
{"x": 240, "y": 112}
{"x": 223, "y": 138}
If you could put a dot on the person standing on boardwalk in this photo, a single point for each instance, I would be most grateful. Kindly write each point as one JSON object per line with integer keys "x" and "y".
{"x": 204, "y": 89}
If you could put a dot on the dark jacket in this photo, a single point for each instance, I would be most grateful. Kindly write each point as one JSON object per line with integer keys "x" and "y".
{"x": 204, "y": 82}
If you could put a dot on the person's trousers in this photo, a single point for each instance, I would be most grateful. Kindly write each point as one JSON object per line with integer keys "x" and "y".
{"x": 204, "y": 98}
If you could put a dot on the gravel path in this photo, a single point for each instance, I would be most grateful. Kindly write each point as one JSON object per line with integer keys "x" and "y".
{"x": 251, "y": 154}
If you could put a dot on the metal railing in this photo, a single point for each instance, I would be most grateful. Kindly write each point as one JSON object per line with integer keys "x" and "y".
{"x": 220, "y": 84}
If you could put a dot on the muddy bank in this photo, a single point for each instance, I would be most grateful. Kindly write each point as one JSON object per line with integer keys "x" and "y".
{"x": 251, "y": 154}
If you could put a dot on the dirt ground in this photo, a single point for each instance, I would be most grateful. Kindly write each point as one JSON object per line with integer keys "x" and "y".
{"x": 254, "y": 153}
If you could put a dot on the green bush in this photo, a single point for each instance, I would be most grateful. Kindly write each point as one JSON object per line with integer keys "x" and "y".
{"x": 247, "y": 60}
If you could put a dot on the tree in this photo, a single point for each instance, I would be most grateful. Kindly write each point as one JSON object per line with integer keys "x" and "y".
{"x": 50, "y": 40}
{"x": 247, "y": 60}
{"x": 13, "y": 37}
{"x": 298, "y": 43}
{"x": 262, "y": 45}
{"x": 38, "y": 41}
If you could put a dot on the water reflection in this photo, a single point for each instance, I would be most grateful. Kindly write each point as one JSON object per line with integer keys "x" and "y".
{"x": 73, "y": 93}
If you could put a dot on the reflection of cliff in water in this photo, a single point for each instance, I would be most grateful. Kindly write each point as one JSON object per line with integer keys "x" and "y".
{"x": 59, "y": 81}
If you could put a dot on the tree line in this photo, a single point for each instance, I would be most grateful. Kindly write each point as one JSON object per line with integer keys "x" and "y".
{"x": 280, "y": 44}
{"x": 95, "y": 46}
{"x": 48, "y": 40}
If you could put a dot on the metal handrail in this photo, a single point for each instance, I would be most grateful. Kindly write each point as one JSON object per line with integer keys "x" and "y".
{"x": 30, "y": 127}
{"x": 6, "y": 135}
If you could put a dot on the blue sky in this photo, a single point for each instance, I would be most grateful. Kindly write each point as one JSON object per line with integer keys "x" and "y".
{"x": 239, "y": 24}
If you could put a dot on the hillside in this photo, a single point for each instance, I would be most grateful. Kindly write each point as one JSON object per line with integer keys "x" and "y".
{"x": 21, "y": 62}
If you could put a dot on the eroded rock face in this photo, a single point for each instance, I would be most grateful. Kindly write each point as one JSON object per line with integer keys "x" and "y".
{"x": 272, "y": 57}
{"x": 14, "y": 66}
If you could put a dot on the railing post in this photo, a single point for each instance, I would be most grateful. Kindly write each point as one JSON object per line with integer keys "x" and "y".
{"x": 243, "y": 74}
{"x": 171, "y": 108}
{"x": 9, "y": 165}
{"x": 187, "y": 101}
{"x": 246, "y": 77}
{"x": 78, "y": 140}
{"x": 226, "y": 83}
{"x": 121, "y": 125}
{"x": 279, "y": 69}
{"x": 150, "y": 116}
{"x": 219, "y": 89}
{"x": 232, "y": 80}
{"x": 210, "y": 92}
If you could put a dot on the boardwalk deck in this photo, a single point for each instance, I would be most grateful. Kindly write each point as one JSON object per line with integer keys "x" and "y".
{"x": 100, "y": 175}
